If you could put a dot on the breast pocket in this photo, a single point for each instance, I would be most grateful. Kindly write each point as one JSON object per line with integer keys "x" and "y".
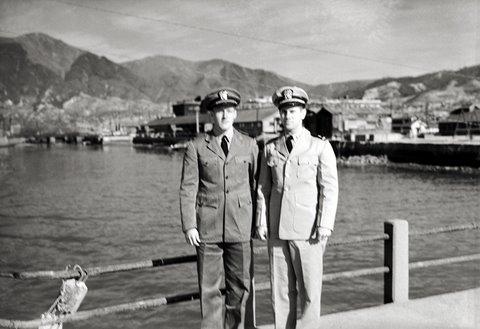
{"x": 242, "y": 162}
{"x": 209, "y": 169}
{"x": 307, "y": 167}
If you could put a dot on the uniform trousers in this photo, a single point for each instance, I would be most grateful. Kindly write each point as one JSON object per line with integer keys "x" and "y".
{"x": 296, "y": 269}
{"x": 234, "y": 261}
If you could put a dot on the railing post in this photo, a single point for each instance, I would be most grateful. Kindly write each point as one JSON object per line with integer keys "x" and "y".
{"x": 396, "y": 259}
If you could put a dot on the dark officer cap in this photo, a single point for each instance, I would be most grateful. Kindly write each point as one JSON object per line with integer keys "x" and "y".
{"x": 221, "y": 97}
{"x": 289, "y": 96}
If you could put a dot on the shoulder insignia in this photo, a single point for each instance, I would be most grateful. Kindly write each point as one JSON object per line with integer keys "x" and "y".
{"x": 323, "y": 138}
{"x": 244, "y": 133}
{"x": 273, "y": 140}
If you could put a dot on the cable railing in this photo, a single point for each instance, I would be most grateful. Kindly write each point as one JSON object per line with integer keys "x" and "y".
{"x": 395, "y": 270}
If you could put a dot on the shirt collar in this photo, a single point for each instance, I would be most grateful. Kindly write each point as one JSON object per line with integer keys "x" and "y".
{"x": 228, "y": 134}
{"x": 295, "y": 136}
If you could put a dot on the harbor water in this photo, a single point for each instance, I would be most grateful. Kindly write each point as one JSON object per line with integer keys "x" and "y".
{"x": 92, "y": 206}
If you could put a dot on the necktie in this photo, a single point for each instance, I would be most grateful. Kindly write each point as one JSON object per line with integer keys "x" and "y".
{"x": 224, "y": 145}
{"x": 289, "y": 143}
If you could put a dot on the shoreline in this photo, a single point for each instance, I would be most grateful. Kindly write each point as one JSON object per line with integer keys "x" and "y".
{"x": 355, "y": 161}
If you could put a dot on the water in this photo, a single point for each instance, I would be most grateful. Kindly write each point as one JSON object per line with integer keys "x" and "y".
{"x": 96, "y": 206}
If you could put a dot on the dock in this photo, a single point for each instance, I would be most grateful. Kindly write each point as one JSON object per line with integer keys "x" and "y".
{"x": 453, "y": 310}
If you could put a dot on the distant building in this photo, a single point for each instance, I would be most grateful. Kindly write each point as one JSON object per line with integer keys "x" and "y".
{"x": 409, "y": 126}
{"x": 255, "y": 103}
{"x": 253, "y": 122}
{"x": 185, "y": 108}
{"x": 461, "y": 121}
{"x": 258, "y": 121}
{"x": 337, "y": 118}
{"x": 402, "y": 125}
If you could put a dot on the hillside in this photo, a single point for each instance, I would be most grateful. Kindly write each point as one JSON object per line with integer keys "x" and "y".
{"x": 169, "y": 79}
{"x": 174, "y": 78}
{"x": 100, "y": 77}
{"x": 455, "y": 86}
{"x": 49, "y": 52}
{"x": 19, "y": 76}
{"x": 51, "y": 84}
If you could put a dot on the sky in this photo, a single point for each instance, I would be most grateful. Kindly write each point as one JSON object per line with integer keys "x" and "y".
{"x": 312, "y": 41}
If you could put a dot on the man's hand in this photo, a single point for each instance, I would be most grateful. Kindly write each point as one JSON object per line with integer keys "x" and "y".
{"x": 322, "y": 234}
{"x": 192, "y": 237}
{"x": 262, "y": 232}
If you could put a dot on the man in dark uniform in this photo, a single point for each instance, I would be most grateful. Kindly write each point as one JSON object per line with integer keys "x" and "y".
{"x": 216, "y": 193}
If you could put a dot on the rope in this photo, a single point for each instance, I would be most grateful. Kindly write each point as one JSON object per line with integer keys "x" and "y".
{"x": 339, "y": 242}
{"x": 95, "y": 271}
{"x": 84, "y": 315}
{"x": 445, "y": 229}
{"x": 443, "y": 261}
{"x": 149, "y": 303}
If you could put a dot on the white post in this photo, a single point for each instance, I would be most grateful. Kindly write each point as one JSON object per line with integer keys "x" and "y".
{"x": 396, "y": 259}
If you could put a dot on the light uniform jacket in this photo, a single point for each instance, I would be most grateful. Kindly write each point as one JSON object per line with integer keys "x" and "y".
{"x": 298, "y": 191}
{"x": 216, "y": 192}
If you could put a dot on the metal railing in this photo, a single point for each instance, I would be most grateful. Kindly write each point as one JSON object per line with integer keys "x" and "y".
{"x": 396, "y": 272}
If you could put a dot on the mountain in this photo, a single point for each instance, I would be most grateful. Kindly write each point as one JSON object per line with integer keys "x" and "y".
{"x": 52, "y": 53}
{"x": 19, "y": 76}
{"x": 34, "y": 63}
{"x": 100, "y": 77}
{"x": 175, "y": 79}
{"x": 451, "y": 86}
{"x": 337, "y": 89}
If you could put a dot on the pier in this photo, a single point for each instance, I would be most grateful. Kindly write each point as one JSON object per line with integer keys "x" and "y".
{"x": 398, "y": 311}
{"x": 453, "y": 310}
{"x": 429, "y": 152}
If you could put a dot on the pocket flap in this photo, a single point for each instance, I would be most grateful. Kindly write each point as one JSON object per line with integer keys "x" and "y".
{"x": 242, "y": 159}
{"x": 207, "y": 201}
{"x": 244, "y": 200}
{"x": 307, "y": 160}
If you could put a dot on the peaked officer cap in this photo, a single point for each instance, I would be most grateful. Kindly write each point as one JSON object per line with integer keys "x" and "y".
{"x": 289, "y": 96}
{"x": 221, "y": 97}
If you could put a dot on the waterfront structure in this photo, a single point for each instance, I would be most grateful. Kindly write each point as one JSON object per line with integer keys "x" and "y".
{"x": 461, "y": 121}
{"x": 186, "y": 107}
{"x": 253, "y": 122}
{"x": 396, "y": 272}
{"x": 409, "y": 126}
{"x": 340, "y": 118}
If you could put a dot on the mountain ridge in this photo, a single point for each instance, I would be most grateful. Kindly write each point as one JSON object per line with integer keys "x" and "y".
{"x": 55, "y": 66}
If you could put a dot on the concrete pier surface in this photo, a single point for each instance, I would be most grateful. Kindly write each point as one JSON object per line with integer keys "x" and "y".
{"x": 459, "y": 310}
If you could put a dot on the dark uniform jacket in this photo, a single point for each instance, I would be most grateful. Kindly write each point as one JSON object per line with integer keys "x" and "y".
{"x": 216, "y": 192}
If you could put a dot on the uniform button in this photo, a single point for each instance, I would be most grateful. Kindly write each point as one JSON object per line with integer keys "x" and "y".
{"x": 287, "y": 175}
{"x": 226, "y": 177}
{"x": 286, "y": 189}
{"x": 227, "y": 191}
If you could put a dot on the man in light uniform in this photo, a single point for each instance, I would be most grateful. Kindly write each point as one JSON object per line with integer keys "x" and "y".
{"x": 216, "y": 192}
{"x": 296, "y": 205}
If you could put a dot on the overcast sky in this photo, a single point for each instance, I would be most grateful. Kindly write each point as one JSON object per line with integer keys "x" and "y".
{"x": 316, "y": 41}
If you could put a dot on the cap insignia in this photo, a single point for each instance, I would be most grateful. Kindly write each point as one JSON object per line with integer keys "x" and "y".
{"x": 288, "y": 93}
{"x": 223, "y": 94}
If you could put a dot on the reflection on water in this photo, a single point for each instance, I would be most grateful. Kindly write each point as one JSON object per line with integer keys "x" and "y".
{"x": 115, "y": 204}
